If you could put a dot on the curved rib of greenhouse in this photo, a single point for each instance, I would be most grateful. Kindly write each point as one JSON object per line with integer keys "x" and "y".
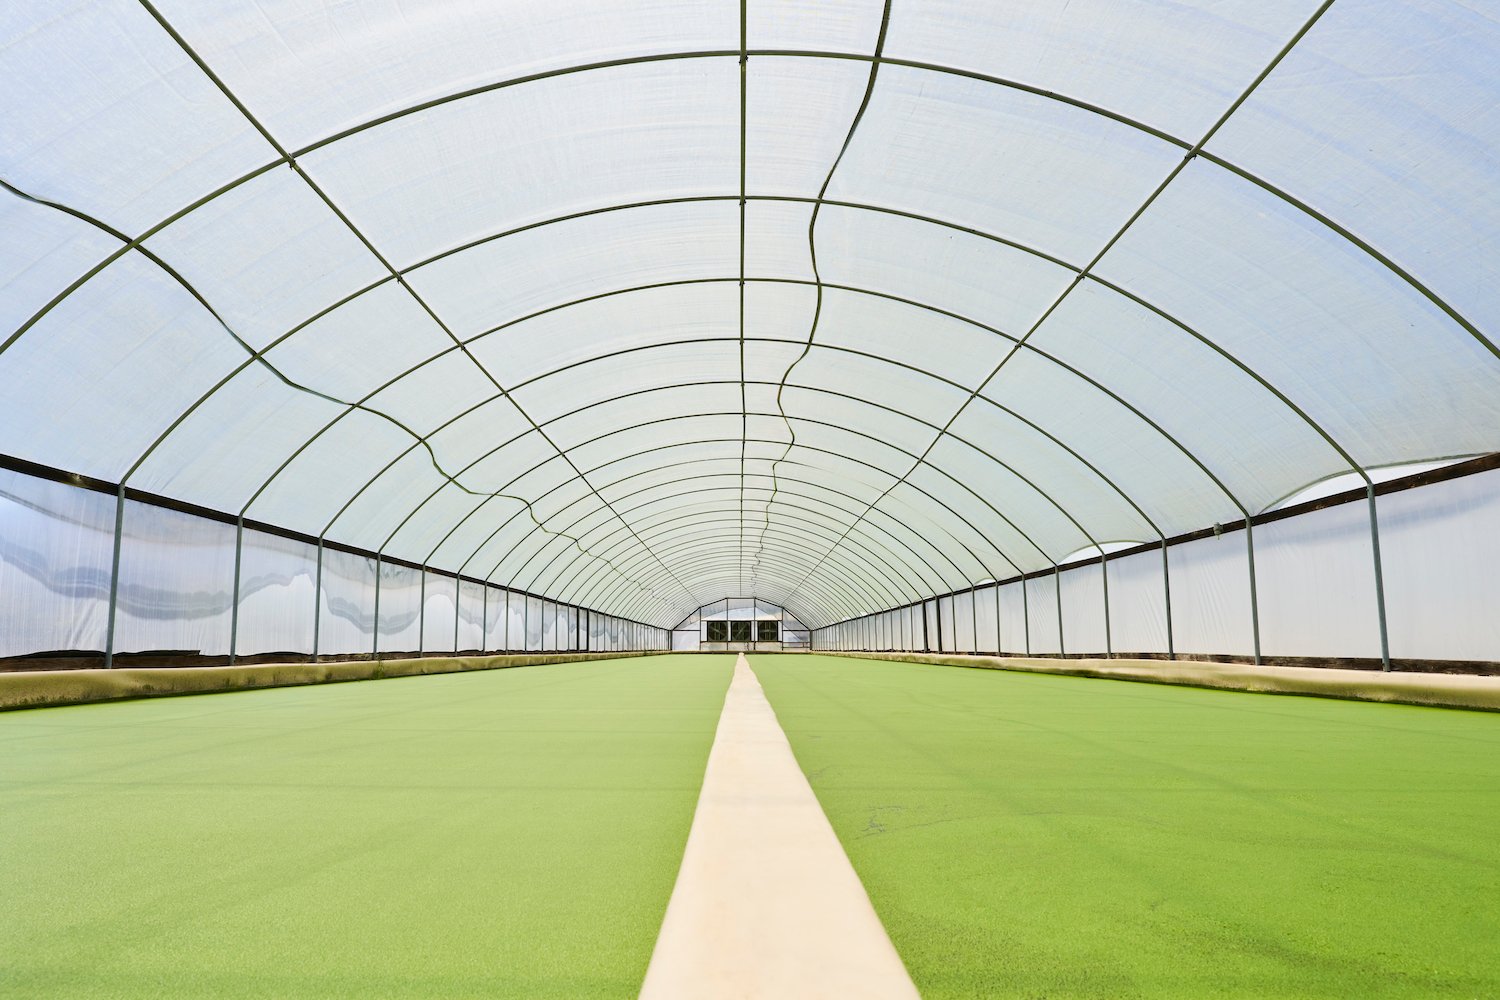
{"x": 1102, "y": 329}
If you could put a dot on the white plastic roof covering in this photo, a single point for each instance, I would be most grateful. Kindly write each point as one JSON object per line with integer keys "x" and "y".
{"x": 639, "y": 304}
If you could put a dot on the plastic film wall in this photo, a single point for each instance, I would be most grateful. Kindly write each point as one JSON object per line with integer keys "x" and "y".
{"x": 187, "y": 584}
{"x": 1314, "y": 591}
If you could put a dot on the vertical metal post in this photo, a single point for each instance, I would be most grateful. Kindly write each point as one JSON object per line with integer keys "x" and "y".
{"x": 974, "y": 618}
{"x": 999, "y": 639}
{"x": 1385, "y": 640}
{"x": 937, "y": 614}
{"x": 484, "y": 620}
{"x": 114, "y": 579}
{"x": 1057, "y": 593}
{"x": 375, "y": 639}
{"x": 1109, "y": 646}
{"x": 422, "y": 613}
{"x": 1166, "y": 586}
{"x": 458, "y": 598}
{"x": 234, "y": 607}
{"x": 1254, "y": 598}
{"x": 1026, "y": 611}
{"x": 318, "y": 601}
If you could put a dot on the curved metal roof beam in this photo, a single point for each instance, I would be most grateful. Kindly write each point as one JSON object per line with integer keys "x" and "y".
{"x": 1450, "y": 312}
{"x": 860, "y": 589}
{"x": 1006, "y": 83}
{"x": 883, "y": 472}
{"x": 348, "y": 223}
{"x": 824, "y": 602}
{"x": 889, "y": 579}
{"x": 854, "y": 569}
{"x": 917, "y": 589}
{"x": 1109, "y": 244}
{"x": 890, "y": 572}
{"x": 922, "y": 560}
{"x": 972, "y": 528}
{"x": 894, "y": 578}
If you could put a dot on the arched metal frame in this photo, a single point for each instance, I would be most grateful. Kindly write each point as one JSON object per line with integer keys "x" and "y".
{"x": 744, "y": 54}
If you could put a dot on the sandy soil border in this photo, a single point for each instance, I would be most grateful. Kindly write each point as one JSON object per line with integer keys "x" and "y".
{"x": 43, "y": 688}
{"x": 1436, "y": 690}
{"x": 767, "y": 904}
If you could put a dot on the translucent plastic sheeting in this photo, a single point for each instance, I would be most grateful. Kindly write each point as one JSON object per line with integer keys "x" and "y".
{"x": 176, "y": 586}
{"x": 1440, "y": 546}
{"x": 986, "y": 621}
{"x": 400, "y": 609}
{"x": 965, "y": 626}
{"x": 473, "y": 606}
{"x": 536, "y": 627}
{"x": 1211, "y": 595}
{"x": 346, "y": 622}
{"x": 1042, "y": 615}
{"x": 1308, "y": 291}
{"x": 439, "y": 612}
{"x": 1083, "y": 609}
{"x": 495, "y": 620}
{"x": 56, "y": 560}
{"x": 1013, "y": 627}
{"x": 516, "y": 617}
{"x": 551, "y": 627}
{"x": 277, "y": 599}
{"x": 1137, "y": 603}
{"x": 1315, "y": 581}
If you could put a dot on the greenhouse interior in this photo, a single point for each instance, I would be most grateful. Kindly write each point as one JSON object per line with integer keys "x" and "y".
{"x": 744, "y": 370}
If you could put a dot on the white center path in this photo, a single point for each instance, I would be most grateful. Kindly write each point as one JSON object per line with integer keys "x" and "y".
{"x": 766, "y": 903}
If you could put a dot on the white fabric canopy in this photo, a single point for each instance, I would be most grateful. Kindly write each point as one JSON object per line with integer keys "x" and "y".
{"x": 640, "y": 303}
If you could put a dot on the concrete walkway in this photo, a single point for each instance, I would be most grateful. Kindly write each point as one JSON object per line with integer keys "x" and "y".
{"x": 766, "y": 903}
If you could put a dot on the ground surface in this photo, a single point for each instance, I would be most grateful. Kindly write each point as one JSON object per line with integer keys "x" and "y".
{"x": 505, "y": 833}
{"x": 1035, "y": 836}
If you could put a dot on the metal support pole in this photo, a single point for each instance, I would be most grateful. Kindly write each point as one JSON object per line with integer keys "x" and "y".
{"x": 974, "y": 618}
{"x": 999, "y": 639}
{"x": 317, "y": 601}
{"x": 484, "y": 620}
{"x": 1057, "y": 592}
{"x": 458, "y": 597}
{"x": 375, "y": 632}
{"x": 422, "y": 613}
{"x": 1254, "y": 598}
{"x": 234, "y": 607}
{"x": 1385, "y": 640}
{"x": 1166, "y": 586}
{"x": 1109, "y": 646}
{"x": 114, "y": 580}
{"x": 1026, "y": 612}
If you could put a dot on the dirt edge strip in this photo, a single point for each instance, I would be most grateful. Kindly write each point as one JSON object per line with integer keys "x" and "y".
{"x": 1467, "y": 691}
{"x": 46, "y": 688}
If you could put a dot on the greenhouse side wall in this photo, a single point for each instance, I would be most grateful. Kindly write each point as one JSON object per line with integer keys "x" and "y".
{"x": 1293, "y": 587}
{"x": 182, "y": 588}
